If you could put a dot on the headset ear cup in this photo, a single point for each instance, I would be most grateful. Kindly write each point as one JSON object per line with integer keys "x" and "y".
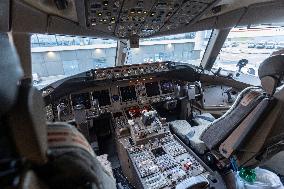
{"x": 269, "y": 84}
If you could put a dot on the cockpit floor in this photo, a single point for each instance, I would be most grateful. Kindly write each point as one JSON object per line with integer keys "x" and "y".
{"x": 107, "y": 146}
{"x": 121, "y": 181}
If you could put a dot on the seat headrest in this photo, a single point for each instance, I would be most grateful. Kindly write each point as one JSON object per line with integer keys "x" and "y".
{"x": 271, "y": 72}
{"x": 10, "y": 73}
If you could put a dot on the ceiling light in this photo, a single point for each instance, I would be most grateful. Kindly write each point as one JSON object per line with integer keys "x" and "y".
{"x": 50, "y": 54}
{"x": 98, "y": 51}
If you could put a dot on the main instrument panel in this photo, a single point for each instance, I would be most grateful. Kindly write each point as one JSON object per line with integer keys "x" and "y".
{"x": 124, "y": 89}
{"x": 112, "y": 98}
{"x": 120, "y": 87}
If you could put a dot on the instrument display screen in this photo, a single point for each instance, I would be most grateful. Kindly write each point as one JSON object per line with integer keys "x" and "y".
{"x": 167, "y": 87}
{"x": 152, "y": 89}
{"x": 128, "y": 93}
{"x": 103, "y": 97}
{"x": 82, "y": 98}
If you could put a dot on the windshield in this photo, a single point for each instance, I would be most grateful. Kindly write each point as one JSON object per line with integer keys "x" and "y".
{"x": 186, "y": 48}
{"x": 55, "y": 57}
{"x": 250, "y": 46}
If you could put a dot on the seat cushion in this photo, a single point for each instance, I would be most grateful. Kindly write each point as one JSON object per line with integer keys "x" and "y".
{"x": 189, "y": 135}
{"x": 194, "y": 138}
{"x": 204, "y": 119}
{"x": 181, "y": 128}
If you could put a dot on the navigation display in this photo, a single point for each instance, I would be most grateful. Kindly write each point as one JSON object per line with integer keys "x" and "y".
{"x": 128, "y": 93}
{"x": 103, "y": 97}
{"x": 152, "y": 89}
{"x": 167, "y": 87}
{"x": 82, "y": 98}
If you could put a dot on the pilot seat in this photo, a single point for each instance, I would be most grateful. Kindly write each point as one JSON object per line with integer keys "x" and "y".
{"x": 251, "y": 131}
{"x": 216, "y": 129}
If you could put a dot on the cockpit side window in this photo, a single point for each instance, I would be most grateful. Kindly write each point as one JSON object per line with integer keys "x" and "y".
{"x": 246, "y": 48}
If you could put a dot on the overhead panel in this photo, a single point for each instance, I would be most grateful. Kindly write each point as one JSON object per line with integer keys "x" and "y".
{"x": 132, "y": 16}
{"x": 102, "y": 14}
{"x": 160, "y": 12}
{"x": 185, "y": 15}
{"x": 128, "y": 18}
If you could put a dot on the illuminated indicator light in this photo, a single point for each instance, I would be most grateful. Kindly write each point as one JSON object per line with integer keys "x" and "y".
{"x": 151, "y": 78}
{"x": 113, "y": 18}
{"x": 137, "y": 80}
{"x": 139, "y": 12}
{"x": 105, "y": 3}
{"x": 132, "y": 12}
{"x": 101, "y": 20}
{"x": 152, "y": 14}
{"x": 145, "y": 12}
{"x": 100, "y": 14}
{"x": 105, "y": 20}
{"x": 144, "y": 79}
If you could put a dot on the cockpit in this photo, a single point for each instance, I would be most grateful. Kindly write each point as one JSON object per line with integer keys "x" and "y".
{"x": 142, "y": 94}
